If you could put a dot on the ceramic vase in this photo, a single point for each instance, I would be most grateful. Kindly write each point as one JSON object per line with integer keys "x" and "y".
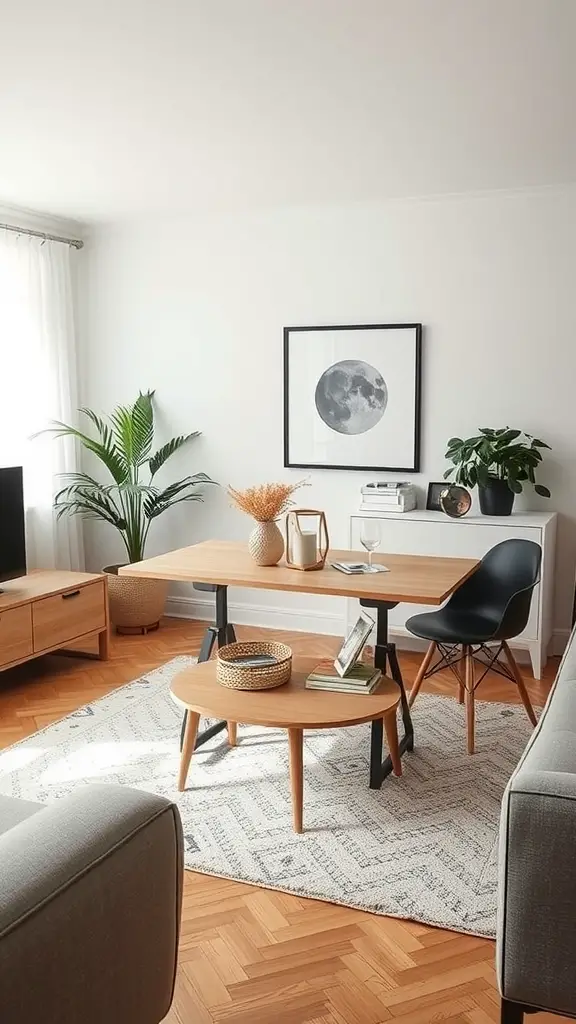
{"x": 266, "y": 543}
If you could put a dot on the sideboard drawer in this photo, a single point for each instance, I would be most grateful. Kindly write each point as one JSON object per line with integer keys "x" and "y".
{"x": 15, "y": 634}
{"x": 65, "y": 616}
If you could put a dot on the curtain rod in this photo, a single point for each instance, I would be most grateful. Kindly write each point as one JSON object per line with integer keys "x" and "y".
{"x": 74, "y": 242}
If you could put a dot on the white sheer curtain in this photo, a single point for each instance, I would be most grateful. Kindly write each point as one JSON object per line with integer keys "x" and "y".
{"x": 38, "y": 378}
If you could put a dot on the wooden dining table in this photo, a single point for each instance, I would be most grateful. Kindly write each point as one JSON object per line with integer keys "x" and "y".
{"x": 216, "y": 565}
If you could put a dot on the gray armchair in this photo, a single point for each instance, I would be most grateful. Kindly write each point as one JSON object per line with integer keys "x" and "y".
{"x": 90, "y": 898}
{"x": 536, "y": 943}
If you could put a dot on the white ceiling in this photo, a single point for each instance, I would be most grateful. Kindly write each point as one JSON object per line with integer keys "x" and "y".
{"x": 123, "y": 108}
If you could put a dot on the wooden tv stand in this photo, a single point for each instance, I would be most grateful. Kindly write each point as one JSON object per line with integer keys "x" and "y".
{"x": 50, "y": 609}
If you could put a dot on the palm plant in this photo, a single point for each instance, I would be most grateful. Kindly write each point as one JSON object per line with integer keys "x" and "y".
{"x": 130, "y": 503}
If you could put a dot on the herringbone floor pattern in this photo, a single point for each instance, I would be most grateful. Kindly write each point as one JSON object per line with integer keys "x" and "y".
{"x": 252, "y": 956}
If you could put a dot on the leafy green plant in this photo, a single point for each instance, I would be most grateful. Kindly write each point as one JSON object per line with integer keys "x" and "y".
{"x": 504, "y": 454}
{"x": 132, "y": 500}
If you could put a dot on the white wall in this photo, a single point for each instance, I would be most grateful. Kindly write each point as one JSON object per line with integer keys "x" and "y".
{"x": 196, "y": 310}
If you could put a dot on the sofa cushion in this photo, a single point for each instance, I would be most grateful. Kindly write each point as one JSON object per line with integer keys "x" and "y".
{"x": 12, "y": 811}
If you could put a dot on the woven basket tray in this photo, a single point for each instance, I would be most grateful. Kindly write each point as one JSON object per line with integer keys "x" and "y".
{"x": 240, "y": 677}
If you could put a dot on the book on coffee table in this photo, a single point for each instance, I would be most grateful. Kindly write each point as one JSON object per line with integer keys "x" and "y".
{"x": 361, "y": 678}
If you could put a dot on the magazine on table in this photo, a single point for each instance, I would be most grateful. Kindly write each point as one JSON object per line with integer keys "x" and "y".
{"x": 358, "y": 568}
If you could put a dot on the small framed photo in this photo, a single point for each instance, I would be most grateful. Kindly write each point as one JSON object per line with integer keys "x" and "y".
{"x": 353, "y": 644}
{"x": 433, "y": 497}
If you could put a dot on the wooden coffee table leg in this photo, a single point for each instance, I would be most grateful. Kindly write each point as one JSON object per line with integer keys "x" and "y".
{"x": 192, "y": 719}
{"x": 391, "y": 726}
{"x": 232, "y": 727}
{"x": 295, "y": 738}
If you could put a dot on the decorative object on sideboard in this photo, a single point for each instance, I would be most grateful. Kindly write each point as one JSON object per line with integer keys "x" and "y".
{"x": 451, "y": 499}
{"x": 455, "y": 501}
{"x": 123, "y": 443}
{"x": 352, "y": 397}
{"x": 498, "y": 462}
{"x": 254, "y": 665}
{"x": 388, "y": 496}
{"x": 306, "y": 548}
{"x": 265, "y": 503}
{"x": 433, "y": 497}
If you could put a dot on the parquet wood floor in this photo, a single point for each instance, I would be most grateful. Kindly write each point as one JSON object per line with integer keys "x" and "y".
{"x": 253, "y": 956}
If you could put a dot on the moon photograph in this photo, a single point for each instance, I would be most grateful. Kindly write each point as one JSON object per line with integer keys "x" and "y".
{"x": 351, "y": 396}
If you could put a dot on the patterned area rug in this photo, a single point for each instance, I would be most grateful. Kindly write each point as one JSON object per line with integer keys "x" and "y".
{"x": 422, "y": 847}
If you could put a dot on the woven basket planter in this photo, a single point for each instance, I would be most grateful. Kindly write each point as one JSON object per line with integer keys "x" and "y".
{"x": 264, "y": 677}
{"x": 136, "y": 604}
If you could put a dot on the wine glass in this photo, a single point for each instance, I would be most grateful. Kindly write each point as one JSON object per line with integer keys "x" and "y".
{"x": 370, "y": 536}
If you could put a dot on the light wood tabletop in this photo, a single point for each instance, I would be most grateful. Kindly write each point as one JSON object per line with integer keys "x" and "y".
{"x": 417, "y": 579}
{"x": 291, "y": 707}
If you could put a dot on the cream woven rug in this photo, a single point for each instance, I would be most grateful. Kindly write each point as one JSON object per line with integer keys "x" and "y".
{"x": 422, "y": 847}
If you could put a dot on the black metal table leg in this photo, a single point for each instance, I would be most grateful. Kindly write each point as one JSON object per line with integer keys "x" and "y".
{"x": 207, "y": 644}
{"x": 384, "y": 654}
{"x": 221, "y": 632}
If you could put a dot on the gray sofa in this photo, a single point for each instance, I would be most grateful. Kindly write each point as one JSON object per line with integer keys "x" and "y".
{"x": 90, "y": 896}
{"x": 536, "y": 945}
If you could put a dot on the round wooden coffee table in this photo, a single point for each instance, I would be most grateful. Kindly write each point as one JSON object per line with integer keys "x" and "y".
{"x": 290, "y": 707}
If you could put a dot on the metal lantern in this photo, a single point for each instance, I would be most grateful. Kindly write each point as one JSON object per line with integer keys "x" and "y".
{"x": 306, "y": 539}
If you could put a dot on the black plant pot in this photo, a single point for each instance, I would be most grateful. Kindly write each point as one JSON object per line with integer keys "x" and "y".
{"x": 496, "y": 498}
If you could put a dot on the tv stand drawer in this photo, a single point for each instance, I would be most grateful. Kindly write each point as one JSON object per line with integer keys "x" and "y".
{"x": 68, "y": 615}
{"x": 15, "y": 634}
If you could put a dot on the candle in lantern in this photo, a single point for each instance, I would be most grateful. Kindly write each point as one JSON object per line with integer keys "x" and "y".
{"x": 305, "y": 551}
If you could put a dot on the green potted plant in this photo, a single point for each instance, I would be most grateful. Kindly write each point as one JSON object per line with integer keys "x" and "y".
{"x": 499, "y": 462}
{"x": 129, "y": 501}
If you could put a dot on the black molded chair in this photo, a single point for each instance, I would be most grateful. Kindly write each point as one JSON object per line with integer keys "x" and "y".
{"x": 491, "y": 607}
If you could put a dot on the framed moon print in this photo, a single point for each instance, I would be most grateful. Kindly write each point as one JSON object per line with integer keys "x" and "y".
{"x": 352, "y": 397}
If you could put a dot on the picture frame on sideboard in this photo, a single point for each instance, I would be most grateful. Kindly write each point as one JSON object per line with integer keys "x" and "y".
{"x": 435, "y": 489}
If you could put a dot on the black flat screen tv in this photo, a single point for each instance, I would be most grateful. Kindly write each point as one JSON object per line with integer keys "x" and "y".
{"x": 12, "y": 533}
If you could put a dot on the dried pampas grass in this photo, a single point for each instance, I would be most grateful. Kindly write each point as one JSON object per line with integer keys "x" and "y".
{"x": 266, "y": 501}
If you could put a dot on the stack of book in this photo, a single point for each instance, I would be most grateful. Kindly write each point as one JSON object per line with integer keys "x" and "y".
{"x": 385, "y": 496}
{"x": 360, "y": 678}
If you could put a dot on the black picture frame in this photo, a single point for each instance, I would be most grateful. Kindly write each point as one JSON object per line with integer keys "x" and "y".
{"x": 416, "y": 330}
{"x": 433, "y": 497}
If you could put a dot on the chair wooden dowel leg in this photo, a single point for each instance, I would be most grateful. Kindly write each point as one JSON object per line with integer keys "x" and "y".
{"x": 461, "y": 688}
{"x": 391, "y": 727}
{"x": 421, "y": 673}
{"x": 469, "y": 686}
{"x": 513, "y": 665}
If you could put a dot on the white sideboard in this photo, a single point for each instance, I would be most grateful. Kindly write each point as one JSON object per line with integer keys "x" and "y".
{"x": 432, "y": 533}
